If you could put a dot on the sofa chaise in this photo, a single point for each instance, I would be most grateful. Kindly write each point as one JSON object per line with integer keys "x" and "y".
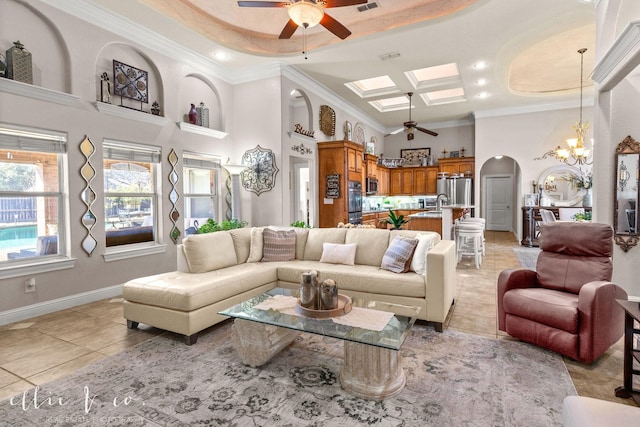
{"x": 218, "y": 270}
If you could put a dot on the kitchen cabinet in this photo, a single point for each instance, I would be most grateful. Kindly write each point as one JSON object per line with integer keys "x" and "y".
{"x": 401, "y": 181}
{"x": 371, "y": 162}
{"x": 383, "y": 181}
{"x": 432, "y": 180}
{"x": 426, "y": 224}
{"x": 419, "y": 181}
{"x": 343, "y": 158}
{"x": 458, "y": 165}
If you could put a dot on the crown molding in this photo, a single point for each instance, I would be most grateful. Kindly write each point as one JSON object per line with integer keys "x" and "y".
{"x": 295, "y": 75}
{"x": 134, "y": 33}
{"x": 527, "y": 109}
{"x": 618, "y": 61}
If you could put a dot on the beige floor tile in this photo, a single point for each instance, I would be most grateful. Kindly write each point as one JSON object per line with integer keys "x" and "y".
{"x": 45, "y": 358}
{"x": 14, "y": 389}
{"x": 107, "y": 335}
{"x": 7, "y": 378}
{"x": 65, "y": 369}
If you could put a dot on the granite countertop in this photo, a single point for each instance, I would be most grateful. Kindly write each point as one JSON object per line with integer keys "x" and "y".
{"x": 427, "y": 214}
{"x": 458, "y": 206}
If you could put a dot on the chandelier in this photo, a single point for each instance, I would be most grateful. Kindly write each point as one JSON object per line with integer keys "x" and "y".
{"x": 576, "y": 153}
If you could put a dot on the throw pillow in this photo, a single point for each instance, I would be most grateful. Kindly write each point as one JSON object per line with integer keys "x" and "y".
{"x": 255, "y": 251}
{"x": 419, "y": 261}
{"x": 397, "y": 258}
{"x": 335, "y": 253}
{"x": 278, "y": 245}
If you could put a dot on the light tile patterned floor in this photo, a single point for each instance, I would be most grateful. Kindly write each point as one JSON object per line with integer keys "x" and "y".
{"x": 48, "y": 347}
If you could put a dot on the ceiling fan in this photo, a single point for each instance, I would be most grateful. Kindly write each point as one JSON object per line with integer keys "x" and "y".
{"x": 307, "y": 14}
{"x": 410, "y": 125}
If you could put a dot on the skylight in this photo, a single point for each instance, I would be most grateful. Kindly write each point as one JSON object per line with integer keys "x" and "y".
{"x": 434, "y": 76}
{"x": 375, "y": 86}
{"x": 446, "y": 96}
{"x": 390, "y": 104}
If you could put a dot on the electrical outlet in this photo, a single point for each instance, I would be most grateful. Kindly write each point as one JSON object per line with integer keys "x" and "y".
{"x": 30, "y": 285}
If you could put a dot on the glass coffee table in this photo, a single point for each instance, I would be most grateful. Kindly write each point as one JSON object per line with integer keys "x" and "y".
{"x": 372, "y": 367}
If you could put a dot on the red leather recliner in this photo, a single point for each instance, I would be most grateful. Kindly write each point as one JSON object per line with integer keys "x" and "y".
{"x": 568, "y": 305}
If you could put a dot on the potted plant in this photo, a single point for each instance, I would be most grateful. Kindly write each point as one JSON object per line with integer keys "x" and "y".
{"x": 585, "y": 182}
{"x": 212, "y": 225}
{"x": 396, "y": 221}
{"x": 300, "y": 224}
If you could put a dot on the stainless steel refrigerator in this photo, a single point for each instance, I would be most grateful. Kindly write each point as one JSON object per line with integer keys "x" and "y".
{"x": 459, "y": 190}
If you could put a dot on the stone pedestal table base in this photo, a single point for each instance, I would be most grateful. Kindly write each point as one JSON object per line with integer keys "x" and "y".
{"x": 371, "y": 372}
{"x": 256, "y": 343}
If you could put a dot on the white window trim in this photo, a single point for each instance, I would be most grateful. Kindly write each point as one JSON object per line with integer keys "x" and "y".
{"x": 116, "y": 253}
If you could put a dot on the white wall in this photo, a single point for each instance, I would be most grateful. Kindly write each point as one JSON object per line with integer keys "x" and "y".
{"x": 523, "y": 137}
{"x": 617, "y": 100}
{"x": 449, "y": 138}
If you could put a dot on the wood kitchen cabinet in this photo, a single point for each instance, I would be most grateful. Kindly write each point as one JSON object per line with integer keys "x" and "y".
{"x": 457, "y": 165}
{"x": 345, "y": 159}
{"x": 426, "y": 224}
{"x": 419, "y": 181}
{"x": 383, "y": 181}
{"x": 371, "y": 163}
{"x": 401, "y": 181}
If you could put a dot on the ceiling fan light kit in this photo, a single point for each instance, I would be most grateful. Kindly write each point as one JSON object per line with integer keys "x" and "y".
{"x": 305, "y": 13}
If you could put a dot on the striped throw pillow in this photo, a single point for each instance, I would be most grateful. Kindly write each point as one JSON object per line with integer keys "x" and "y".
{"x": 278, "y": 245}
{"x": 398, "y": 256}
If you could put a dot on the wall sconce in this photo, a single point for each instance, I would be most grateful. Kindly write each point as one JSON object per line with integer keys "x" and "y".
{"x": 623, "y": 176}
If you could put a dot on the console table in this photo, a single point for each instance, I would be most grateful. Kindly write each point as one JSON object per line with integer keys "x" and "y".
{"x": 531, "y": 221}
{"x": 631, "y": 353}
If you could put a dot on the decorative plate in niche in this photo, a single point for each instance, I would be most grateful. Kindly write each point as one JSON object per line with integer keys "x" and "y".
{"x": 358, "y": 133}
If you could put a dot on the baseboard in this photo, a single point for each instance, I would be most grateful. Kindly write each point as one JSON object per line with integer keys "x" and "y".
{"x": 29, "y": 311}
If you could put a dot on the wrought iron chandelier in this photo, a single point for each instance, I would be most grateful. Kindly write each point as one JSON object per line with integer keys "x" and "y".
{"x": 577, "y": 153}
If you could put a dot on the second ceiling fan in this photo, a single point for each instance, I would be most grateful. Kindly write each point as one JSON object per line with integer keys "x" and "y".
{"x": 410, "y": 125}
{"x": 307, "y": 14}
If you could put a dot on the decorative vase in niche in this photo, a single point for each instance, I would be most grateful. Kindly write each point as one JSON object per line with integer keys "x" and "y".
{"x": 155, "y": 108}
{"x": 193, "y": 115}
{"x": 586, "y": 200}
{"x": 203, "y": 115}
{"x": 19, "y": 67}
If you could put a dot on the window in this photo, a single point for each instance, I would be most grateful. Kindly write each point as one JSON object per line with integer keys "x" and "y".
{"x": 130, "y": 192}
{"x": 201, "y": 174}
{"x": 32, "y": 207}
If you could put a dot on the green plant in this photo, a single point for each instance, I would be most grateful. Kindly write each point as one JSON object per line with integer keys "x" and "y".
{"x": 582, "y": 216}
{"x": 396, "y": 220}
{"x": 300, "y": 224}
{"x": 212, "y": 226}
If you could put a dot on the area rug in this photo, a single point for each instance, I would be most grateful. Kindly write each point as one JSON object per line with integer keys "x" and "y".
{"x": 453, "y": 379}
{"x": 527, "y": 257}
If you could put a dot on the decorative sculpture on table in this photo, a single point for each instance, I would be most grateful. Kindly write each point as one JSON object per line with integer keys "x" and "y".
{"x": 261, "y": 170}
{"x": 105, "y": 88}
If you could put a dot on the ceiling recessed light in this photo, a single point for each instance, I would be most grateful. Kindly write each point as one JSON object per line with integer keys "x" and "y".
{"x": 221, "y": 55}
{"x": 483, "y": 95}
{"x": 498, "y": 157}
{"x": 480, "y": 65}
{"x": 481, "y": 82}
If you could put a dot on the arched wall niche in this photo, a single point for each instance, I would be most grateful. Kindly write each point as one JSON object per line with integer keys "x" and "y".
{"x": 300, "y": 110}
{"x": 50, "y": 55}
{"x": 129, "y": 55}
{"x": 196, "y": 89}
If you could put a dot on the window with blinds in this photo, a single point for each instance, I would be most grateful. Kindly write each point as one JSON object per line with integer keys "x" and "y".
{"x": 130, "y": 192}
{"x": 32, "y": 203}
{"x": 200, "y": 178}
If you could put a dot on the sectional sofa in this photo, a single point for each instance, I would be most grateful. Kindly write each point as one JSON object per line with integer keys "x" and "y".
{"x": 221, "y": 269}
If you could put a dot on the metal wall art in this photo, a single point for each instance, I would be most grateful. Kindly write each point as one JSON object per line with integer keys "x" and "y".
{"x": 261, "y": 171}
{"x": 174, "y": 215}
{"x": 130, "y": 82}
{"x": 88, "y": 196}
{"x": 327, "y": 120}
{"x": 302, "y": 149}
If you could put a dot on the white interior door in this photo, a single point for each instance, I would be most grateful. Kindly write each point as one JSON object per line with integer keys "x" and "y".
{"x": 301, "y": 194}
{"x": 499, "y": 202}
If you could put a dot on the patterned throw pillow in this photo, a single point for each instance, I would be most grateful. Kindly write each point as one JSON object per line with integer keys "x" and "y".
{"x": 278, "y": 245}
{"x": 397, "y": 258}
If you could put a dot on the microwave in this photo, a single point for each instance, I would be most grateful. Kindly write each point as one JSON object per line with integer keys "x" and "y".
{"x": 372, "y": 186}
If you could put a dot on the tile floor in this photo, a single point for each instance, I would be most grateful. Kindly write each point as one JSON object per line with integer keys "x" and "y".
{"x": 48, "y": 347}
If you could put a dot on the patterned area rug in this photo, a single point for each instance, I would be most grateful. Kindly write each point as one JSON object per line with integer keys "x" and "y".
{"x": 527, "y": 257}
{"x": 453, "y": 379}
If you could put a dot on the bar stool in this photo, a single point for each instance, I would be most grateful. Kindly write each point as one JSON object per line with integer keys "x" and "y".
{"x": 480, "y": 221}
{"x": 469, "y": 238}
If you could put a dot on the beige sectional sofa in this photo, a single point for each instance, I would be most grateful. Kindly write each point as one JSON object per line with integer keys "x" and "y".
{"x": 221, "y": 269}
